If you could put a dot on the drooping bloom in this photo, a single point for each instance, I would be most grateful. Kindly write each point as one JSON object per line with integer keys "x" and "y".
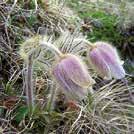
{"x": 105, "y": 60}
{"x": 73, "y": 77}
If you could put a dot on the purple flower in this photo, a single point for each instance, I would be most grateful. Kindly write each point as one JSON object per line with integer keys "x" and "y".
{"x": 105, "y": 60}
{"x": 73, "y": 77}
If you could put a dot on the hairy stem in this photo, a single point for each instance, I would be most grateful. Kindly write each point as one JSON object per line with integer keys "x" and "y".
{"x": 29, "y": 84}
{"x": 51, "y": 100}
{"x": 50, "y": 46}
{"x": 58, "y": 53}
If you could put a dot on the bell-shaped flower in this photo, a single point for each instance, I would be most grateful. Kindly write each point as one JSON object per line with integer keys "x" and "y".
{"x": 73, "y": 77}
{"x": 105, "y": 60}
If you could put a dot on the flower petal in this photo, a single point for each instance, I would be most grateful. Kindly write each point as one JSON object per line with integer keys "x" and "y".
{"x": 76, "y": 71}
{"x": 109, "y": 50}
{"x": 113, "y": 61}
{"x": 117, "y": 71}
{"x": 99, "y": 63}
{"x": 71, "y": 90}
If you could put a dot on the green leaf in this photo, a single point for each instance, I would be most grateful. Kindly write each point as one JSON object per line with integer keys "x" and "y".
{"x": 21, "y": 113}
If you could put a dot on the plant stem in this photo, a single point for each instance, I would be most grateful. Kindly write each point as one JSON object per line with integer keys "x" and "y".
{"x": 29, "y": 84}
{"x": 58, "y": 53}
{"x": 50, "y": 46}
{"x": 51, "y": 100}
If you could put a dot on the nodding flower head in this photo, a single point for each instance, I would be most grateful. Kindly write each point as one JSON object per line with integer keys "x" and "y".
{"x": 105, "y": 60}
{"x": 73, "y": 77}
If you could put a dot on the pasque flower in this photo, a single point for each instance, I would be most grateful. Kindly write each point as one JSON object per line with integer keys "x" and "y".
{"x": 105, "y": 60}
{"x": 73, "y": 77}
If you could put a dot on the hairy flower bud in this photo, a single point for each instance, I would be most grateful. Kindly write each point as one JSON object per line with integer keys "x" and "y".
{"x": 73, "y": 77}
{"x": 105, "y": 60}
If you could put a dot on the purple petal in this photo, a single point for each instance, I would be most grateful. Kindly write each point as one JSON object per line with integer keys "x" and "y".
{"x": 117, "y": 71}
{"x": 106, "y": 61}
{"x": 110, "y": 51}
{"x": 98, "y": 62}
{"x": 111, "y": 57}
{"x": 71, "y": 90}
{"x": 76, "y": 71}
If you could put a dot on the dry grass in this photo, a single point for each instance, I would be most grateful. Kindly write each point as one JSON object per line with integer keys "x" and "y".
{"x": 108, "y": 110}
